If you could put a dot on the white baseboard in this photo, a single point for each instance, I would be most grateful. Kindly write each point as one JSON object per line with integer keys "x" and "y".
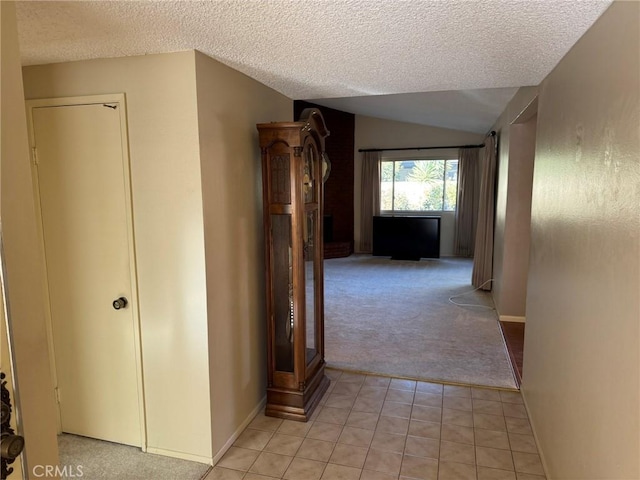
{"x": 180, "y": 455}
{"x": 240, "y": 429}
{"x": 535, "y": 435}
{"x": 511, "y": 318}
{"x": 222, "y": 451}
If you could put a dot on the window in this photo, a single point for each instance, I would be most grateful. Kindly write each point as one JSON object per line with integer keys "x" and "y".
{"x": 418, "y": 185}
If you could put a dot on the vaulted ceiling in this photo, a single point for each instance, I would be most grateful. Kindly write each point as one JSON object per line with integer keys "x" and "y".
{"x": 452, "y": 64}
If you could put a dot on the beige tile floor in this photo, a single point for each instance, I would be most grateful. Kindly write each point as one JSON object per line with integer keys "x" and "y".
{"x": 378, "y": 428}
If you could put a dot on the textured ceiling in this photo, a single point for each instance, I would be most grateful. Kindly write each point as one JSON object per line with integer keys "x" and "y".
{"x": 329, "y": 48}
{"x": 468, "y": 110}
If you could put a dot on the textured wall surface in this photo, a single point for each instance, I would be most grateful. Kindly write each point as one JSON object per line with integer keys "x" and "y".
{"x": 516, "y": 150}
{"x": 505, "y": 246}
{"x": 581, "y": 352}
{"x": 167, "y": 211}
{"x": 229, "y": 107}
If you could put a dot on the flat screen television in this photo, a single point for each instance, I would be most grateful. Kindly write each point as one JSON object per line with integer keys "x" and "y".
{"x": 406, "y": 238}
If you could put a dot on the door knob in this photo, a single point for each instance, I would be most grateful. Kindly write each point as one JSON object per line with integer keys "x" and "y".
{"x": 119, "y": 303}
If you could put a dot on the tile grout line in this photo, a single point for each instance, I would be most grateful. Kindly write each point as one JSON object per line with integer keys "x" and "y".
{"x": 429, "y": 380}
{"x": 477, "y": 408}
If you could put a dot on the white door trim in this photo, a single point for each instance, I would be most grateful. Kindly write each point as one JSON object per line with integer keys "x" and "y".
{"x": 120, "y": 100}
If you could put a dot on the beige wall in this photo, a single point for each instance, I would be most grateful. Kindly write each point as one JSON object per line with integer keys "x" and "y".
{"x": 167, "y": 210}
{"x": 229, "y": 106}
{"x": 24, "y": 264}
{"x": 6, "y": 366}
{"x": 516, "y": 129}
{"x": 581, "y": 353}
{"x": 373, "y": 132}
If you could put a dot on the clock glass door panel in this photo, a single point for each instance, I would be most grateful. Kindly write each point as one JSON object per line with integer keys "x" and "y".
{"x": 282, "y": 291}
{"x": 310, "y": 176}
{"x": 310, "y": 285}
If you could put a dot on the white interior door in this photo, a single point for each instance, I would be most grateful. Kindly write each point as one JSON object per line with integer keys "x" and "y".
{"x": 82, "y": 178}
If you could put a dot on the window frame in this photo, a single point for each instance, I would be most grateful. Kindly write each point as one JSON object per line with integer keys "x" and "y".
{"x": 394, "y": 159}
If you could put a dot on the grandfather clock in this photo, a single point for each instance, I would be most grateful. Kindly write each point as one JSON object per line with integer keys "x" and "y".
{"x": 294, "y": 167}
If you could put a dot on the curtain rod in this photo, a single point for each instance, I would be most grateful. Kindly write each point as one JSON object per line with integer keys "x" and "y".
{"x": 492, "y": 133}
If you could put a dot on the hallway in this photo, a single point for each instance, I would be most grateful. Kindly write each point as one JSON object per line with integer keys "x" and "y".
{"x": 380, "y": 428}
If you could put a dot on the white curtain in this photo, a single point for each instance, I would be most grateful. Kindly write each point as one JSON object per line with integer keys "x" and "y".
{"x": 467, "y": 203}
{"x": 483, "y": 252}
{"x": 369, "y": 198}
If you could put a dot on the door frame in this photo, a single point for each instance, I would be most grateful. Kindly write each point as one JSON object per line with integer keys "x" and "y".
{"x": 120, "y": 99}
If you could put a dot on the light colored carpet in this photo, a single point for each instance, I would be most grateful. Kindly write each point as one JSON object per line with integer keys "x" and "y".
{"x": 105, "y": 460}
{"x": 393, "y": 317}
